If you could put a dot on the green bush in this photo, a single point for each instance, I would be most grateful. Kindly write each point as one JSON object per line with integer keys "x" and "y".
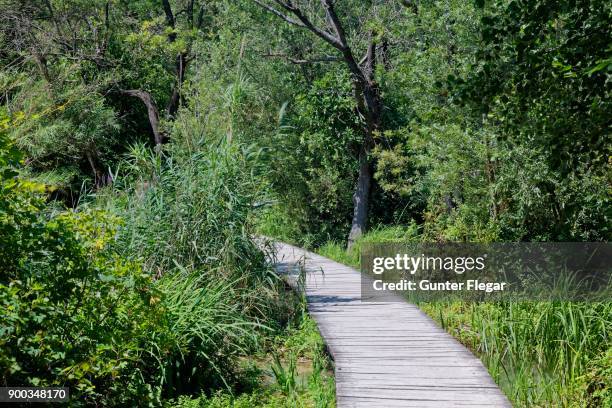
{"x": 598, "y": 381}
{"x": 81, "y": 310}
{"x": 73, "y": 312}
{"x": 317, "y": 139}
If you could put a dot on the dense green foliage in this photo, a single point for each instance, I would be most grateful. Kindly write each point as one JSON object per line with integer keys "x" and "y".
{"x": 297, "y": 366}
{"x": 143, "y": 145}
{"x": 495, "y": 117}
{"x": 496, "y": 126}
{"x": 81, "y": 307}
{"x": 317, "y": 174}
{"x": 542, "y": 80}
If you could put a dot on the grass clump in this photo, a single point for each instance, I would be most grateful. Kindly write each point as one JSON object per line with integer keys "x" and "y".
{"x": 188, "y": 221}
{"x": 293, "y": 371}
{"x": 563, "y": 338}
{"x": 192, "y": 207}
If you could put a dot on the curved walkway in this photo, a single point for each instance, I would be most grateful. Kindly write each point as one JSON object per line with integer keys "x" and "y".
{"x": 385, "y": 354}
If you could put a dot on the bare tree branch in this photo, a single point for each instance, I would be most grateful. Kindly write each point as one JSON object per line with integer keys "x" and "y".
{"x": 303, "y": 21}
{"x": 190, "y": 6}
{"x": 279, "y": 14}
{"x": 363, "y": 59}
{"x": 200, "y": 17}
{"x": 329, "y": 38}
{"x": 370, "y": 57}
{"x": 326, "y": 58}
{"x": 365, "y": 90}
{"x": 168, "y": 12}
{"x": 181, "y": 64}
{"x": 333, "y": 17}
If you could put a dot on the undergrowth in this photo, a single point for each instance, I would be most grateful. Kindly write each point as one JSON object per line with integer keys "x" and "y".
{"x": 292, "y": 370}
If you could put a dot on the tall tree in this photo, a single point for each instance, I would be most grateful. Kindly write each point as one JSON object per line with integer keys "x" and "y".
{"x": 365, "y": 89}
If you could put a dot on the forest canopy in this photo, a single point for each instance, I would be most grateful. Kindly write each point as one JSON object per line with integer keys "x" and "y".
{"x": 483, "y": 120}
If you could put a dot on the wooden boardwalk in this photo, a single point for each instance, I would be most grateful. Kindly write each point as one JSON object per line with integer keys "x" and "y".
{"x": 385, "y": 354}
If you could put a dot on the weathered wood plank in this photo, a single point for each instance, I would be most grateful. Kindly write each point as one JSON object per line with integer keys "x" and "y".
{"x": 385, "y": 354}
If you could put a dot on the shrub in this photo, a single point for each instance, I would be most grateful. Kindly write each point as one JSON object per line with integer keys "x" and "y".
{"x": 73, "y": 312}
{"x": 317, "y": 140}
{"x": 598, "y": 380}
{"x": 80, "y": 309}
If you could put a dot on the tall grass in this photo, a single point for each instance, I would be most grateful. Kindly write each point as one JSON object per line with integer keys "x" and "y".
{"x": 290, "y": 370}
{"x": 207, "y": 329}
{"x": 540, "y": 353}
{"x": 193, "y": 209}
{"x": 187, "y": 218}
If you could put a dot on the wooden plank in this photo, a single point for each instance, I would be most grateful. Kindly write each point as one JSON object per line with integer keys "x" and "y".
{"x": 385, "y": 354}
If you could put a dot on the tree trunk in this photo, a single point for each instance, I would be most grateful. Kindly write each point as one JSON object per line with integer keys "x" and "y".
{"x": 175, "y": 97}
{"x": 370, "y": 102}
{"x": 361, "y": 198}
{"x": 101, "y": 179}
{"x": 365, "y": 90}
{"x": 41, "y": 62}
{"x": 152, "y": 112}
